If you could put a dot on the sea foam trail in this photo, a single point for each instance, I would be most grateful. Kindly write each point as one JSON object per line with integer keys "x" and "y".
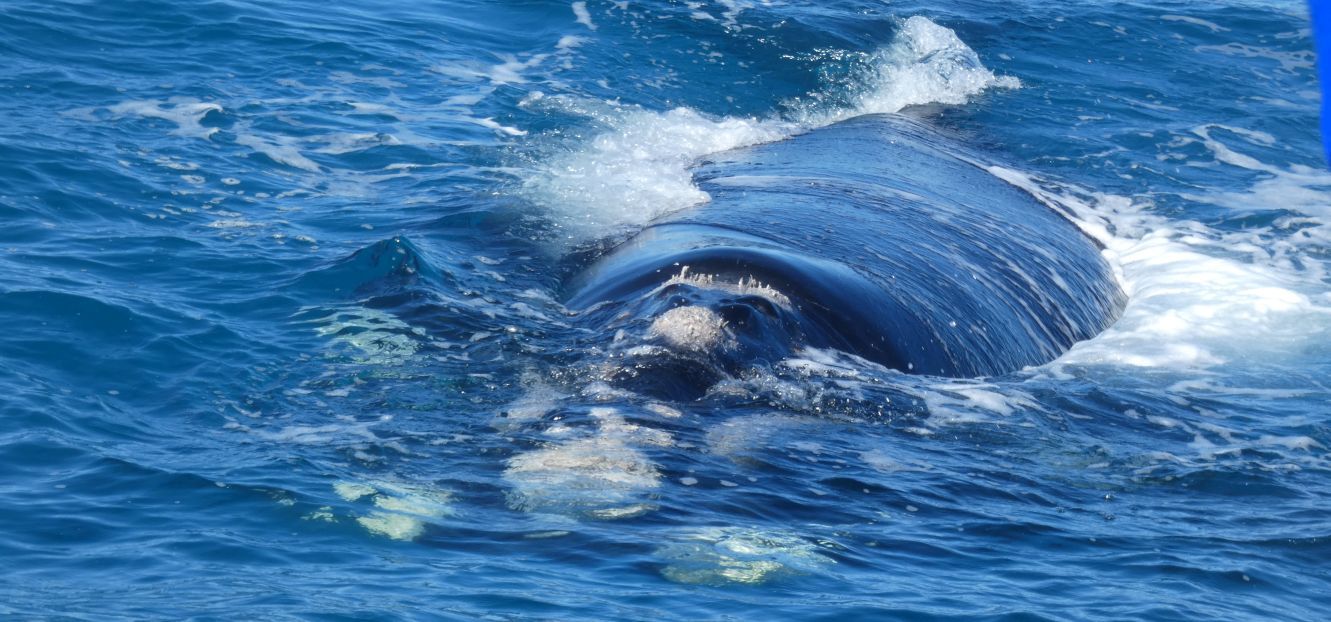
{"x": 1201, "y": 297}
{"x": 926, "y": 64}
{"x": 1190, "y": 305}
{"x": 638, "y": 169}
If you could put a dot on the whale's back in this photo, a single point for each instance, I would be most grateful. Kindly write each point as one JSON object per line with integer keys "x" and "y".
{"x": 940, "y": 267}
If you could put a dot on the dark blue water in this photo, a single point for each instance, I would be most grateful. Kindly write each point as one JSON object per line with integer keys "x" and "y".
{"x": 283, "y": 340}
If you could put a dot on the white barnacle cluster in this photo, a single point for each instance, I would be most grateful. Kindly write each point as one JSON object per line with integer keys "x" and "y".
{"x": 690, "y": 329}
{"x": 746, "y": 286}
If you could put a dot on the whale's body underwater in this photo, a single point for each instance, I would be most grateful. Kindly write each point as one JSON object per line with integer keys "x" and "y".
{"x": 872, "y": 236}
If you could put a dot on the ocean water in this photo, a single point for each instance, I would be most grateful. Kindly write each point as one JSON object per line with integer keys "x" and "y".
{"x": 280, "y": 285}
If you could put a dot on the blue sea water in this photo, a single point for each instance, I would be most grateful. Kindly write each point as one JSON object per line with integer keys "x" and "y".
{"x": 280, "y": 283}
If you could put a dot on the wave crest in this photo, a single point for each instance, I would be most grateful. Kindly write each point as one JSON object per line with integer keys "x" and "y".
{"x": 638, "y": 168}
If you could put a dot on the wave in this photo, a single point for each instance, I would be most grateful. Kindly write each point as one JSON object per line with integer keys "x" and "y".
{"x": 639, "y": 167}
{"x": 1190, "y": 306}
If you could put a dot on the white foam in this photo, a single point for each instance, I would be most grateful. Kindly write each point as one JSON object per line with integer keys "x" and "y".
{"x": 1290, "y": 62}
{"x": 233, "y": 223}
{"x": 582, "y": 15}
{"x": 280, "y": 149}
{"x": 637, "y": 168}
{"x": 1294, "y": 188}
{"x": 187, "y": 114}
{"x": 510, "y": 71}
{"x": 1196, "y": 21}
{"x": 175, "y": 165}
{"x": 730, "y": 17}
{"x": 352, "y": 491}
{"x": 1194, "y": 300}
{"x": 926, "y": 64}
{"x": 318, "y": 435}
{"x": 568, "y": 42}
{"x": 375, "y": 108}
{"x": 953, "y": 402}
{"x": 490, "y": 123}
{"x": 338, "y": 144}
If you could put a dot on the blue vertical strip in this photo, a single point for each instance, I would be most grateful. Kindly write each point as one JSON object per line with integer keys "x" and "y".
{"x": 1321, "y": 14}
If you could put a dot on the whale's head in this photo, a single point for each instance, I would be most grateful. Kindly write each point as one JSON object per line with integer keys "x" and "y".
{"x": 732, "y": 318}
{"x": 692, "y": 305}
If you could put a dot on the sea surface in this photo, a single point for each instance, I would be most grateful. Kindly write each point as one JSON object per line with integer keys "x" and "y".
{"x": 282, "y": 338}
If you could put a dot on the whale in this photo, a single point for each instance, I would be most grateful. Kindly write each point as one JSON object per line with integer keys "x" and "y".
{"x": 878, "y": 236}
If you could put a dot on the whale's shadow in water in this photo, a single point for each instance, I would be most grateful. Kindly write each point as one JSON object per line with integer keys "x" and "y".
{"x": 875, "y": 236}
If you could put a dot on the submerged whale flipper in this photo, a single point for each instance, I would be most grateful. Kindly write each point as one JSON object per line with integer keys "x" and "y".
{"x": 872, "y": 236}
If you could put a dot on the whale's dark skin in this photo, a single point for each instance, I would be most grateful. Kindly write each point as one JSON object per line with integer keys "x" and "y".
{"x": 886, "y": 242}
